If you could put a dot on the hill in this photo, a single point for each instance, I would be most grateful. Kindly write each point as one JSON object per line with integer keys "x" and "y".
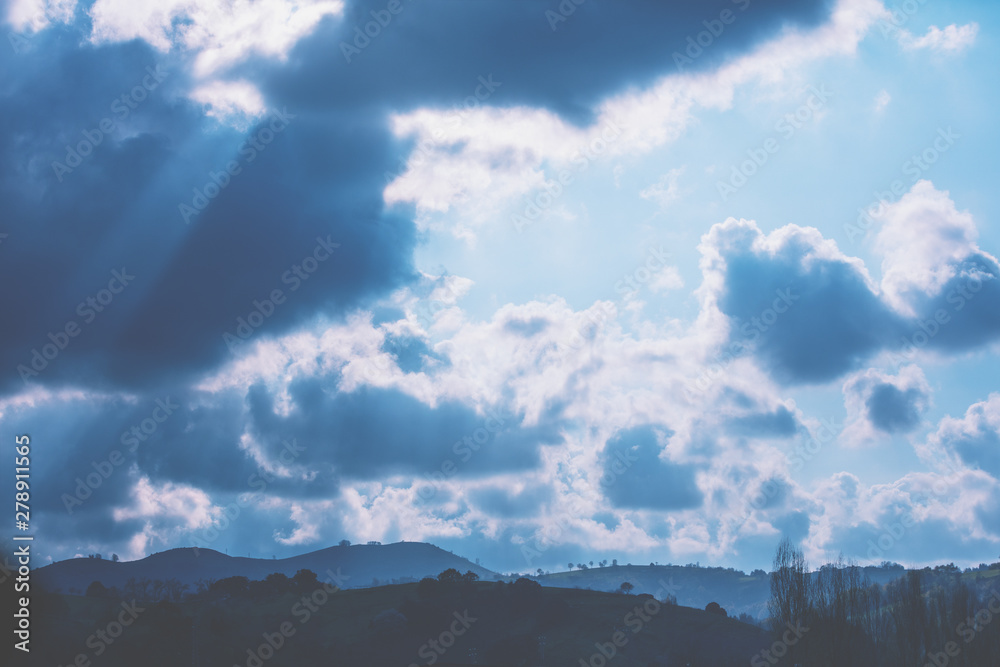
{"x": 693, "y": 586}
{"x": 484, "y": 623}
{"x": 363, "y": 564}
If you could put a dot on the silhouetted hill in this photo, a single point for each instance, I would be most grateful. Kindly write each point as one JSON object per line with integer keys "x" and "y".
{"x": 362, "y": 563}
{"x": 693, "y": 586}
{"x": 484, "y": 623}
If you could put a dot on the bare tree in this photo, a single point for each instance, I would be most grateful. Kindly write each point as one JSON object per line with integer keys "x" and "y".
{"x": 789, "y": 601}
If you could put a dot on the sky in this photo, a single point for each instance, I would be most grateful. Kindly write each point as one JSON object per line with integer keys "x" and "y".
{"x": 537, "y": 282}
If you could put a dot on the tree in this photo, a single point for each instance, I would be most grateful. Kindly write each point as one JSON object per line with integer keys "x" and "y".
{"x": 614, "y": 562}
{"x": 714, "y": 608}
{"x": 305, "y": 580}
{"x": 626, "y": 587}
{"x": 97, "y": 590}
{"x": 569, "y": 566}
{"x": 345, "y": 543}
{"x": 789, "y": 601}
{"x": 469, "y": 577}
{"x": 230, "y": 587}
{"x": 427, "y": 587}
{"x": 450, "y": 576}
{"x": 114, "y": 558}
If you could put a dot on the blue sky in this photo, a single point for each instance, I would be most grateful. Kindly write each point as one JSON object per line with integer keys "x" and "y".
{"x": 531, "y": 289}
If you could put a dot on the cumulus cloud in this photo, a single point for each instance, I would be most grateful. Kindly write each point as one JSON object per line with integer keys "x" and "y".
{"x": 636, "y": 476}
{"x": 921, "y": 239}
{"x": 882, "y": 404}
{"x": 490, "y": 155}
{"x": 809, "y": 312}
{"x": 973, "y": 439}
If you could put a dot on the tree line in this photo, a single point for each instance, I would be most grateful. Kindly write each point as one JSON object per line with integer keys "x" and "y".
{"x": 933, "y": 617}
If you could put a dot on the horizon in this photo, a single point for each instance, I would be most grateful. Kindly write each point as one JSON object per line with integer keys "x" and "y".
{"x": 529, "y": 574}
{"x": 653, "y": 282}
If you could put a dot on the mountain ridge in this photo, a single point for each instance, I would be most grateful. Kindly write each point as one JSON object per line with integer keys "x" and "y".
{"x": 362, "y": 565}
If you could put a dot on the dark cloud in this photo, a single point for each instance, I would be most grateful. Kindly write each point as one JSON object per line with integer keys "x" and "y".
{"x": 185, "y": 282}
{"x": 601, "y": 49}
{"x": 635, "y": 476}
{"x": 893, "y": 410}
{"x": 808, "y": 322}
{"x": 963, "y": 314}
{"x": 811, "y": 318}
{"x": 793, "y": 525}
{"x": 500, "y": 502}
{"x": 352, "y": 432}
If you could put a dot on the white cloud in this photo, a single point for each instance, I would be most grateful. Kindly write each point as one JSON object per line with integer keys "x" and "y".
{"x": 36, "y": 15}
{"x": 235, "y": 102}
{"x": 953, "y": 39}
{"x": 215, "y": 34}
{"x": 669, "y": 278}
{"x": 665, "y": 190}
{"x": 922, "y": 239}
{"x": 972, "y": 440}
{"x": 176, "y": 502}
{"x": 898, "y": 404}
{"x": 220, "y": 33}
{"x": 491, "y": 156}
{"x": 882, "y": 100}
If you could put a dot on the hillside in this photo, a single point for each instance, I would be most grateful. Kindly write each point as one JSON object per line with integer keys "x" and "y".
{"x": 363, "y": 564}
{"x": 693, "y": 586}
{"x": 504, "y": 624}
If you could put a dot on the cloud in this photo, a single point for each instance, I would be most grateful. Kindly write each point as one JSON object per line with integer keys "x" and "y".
{"x": 665, "y": 190}
{"x": 952, "y": 39}
{"x": 934, "y": 269}
{"x": 345, "y": 431}
{"x": 237, "y": 102}
{"x": 36, "y": 15}
{"x": 481, "y": 159}
{"x": 119, "y": 209}
{"x": 919, "y": 519}
{"x": 882, "y": 100}
{"x": 921, "y": 239}
{"x": 881, "y": 404}
{"x": 636, "y": 476}
{"x": 791, "y": 294}
{"x": 780, "y": 423}
{"x": 220, "y": 33}
{"x": 975, "y": 438}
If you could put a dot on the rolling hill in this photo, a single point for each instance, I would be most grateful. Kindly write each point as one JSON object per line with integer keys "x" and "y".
{"x": 693, "y": 586}
{"x": 362, "y": 564}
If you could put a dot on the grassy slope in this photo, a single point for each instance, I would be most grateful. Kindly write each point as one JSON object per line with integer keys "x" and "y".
{"x": 344, "y": 621}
